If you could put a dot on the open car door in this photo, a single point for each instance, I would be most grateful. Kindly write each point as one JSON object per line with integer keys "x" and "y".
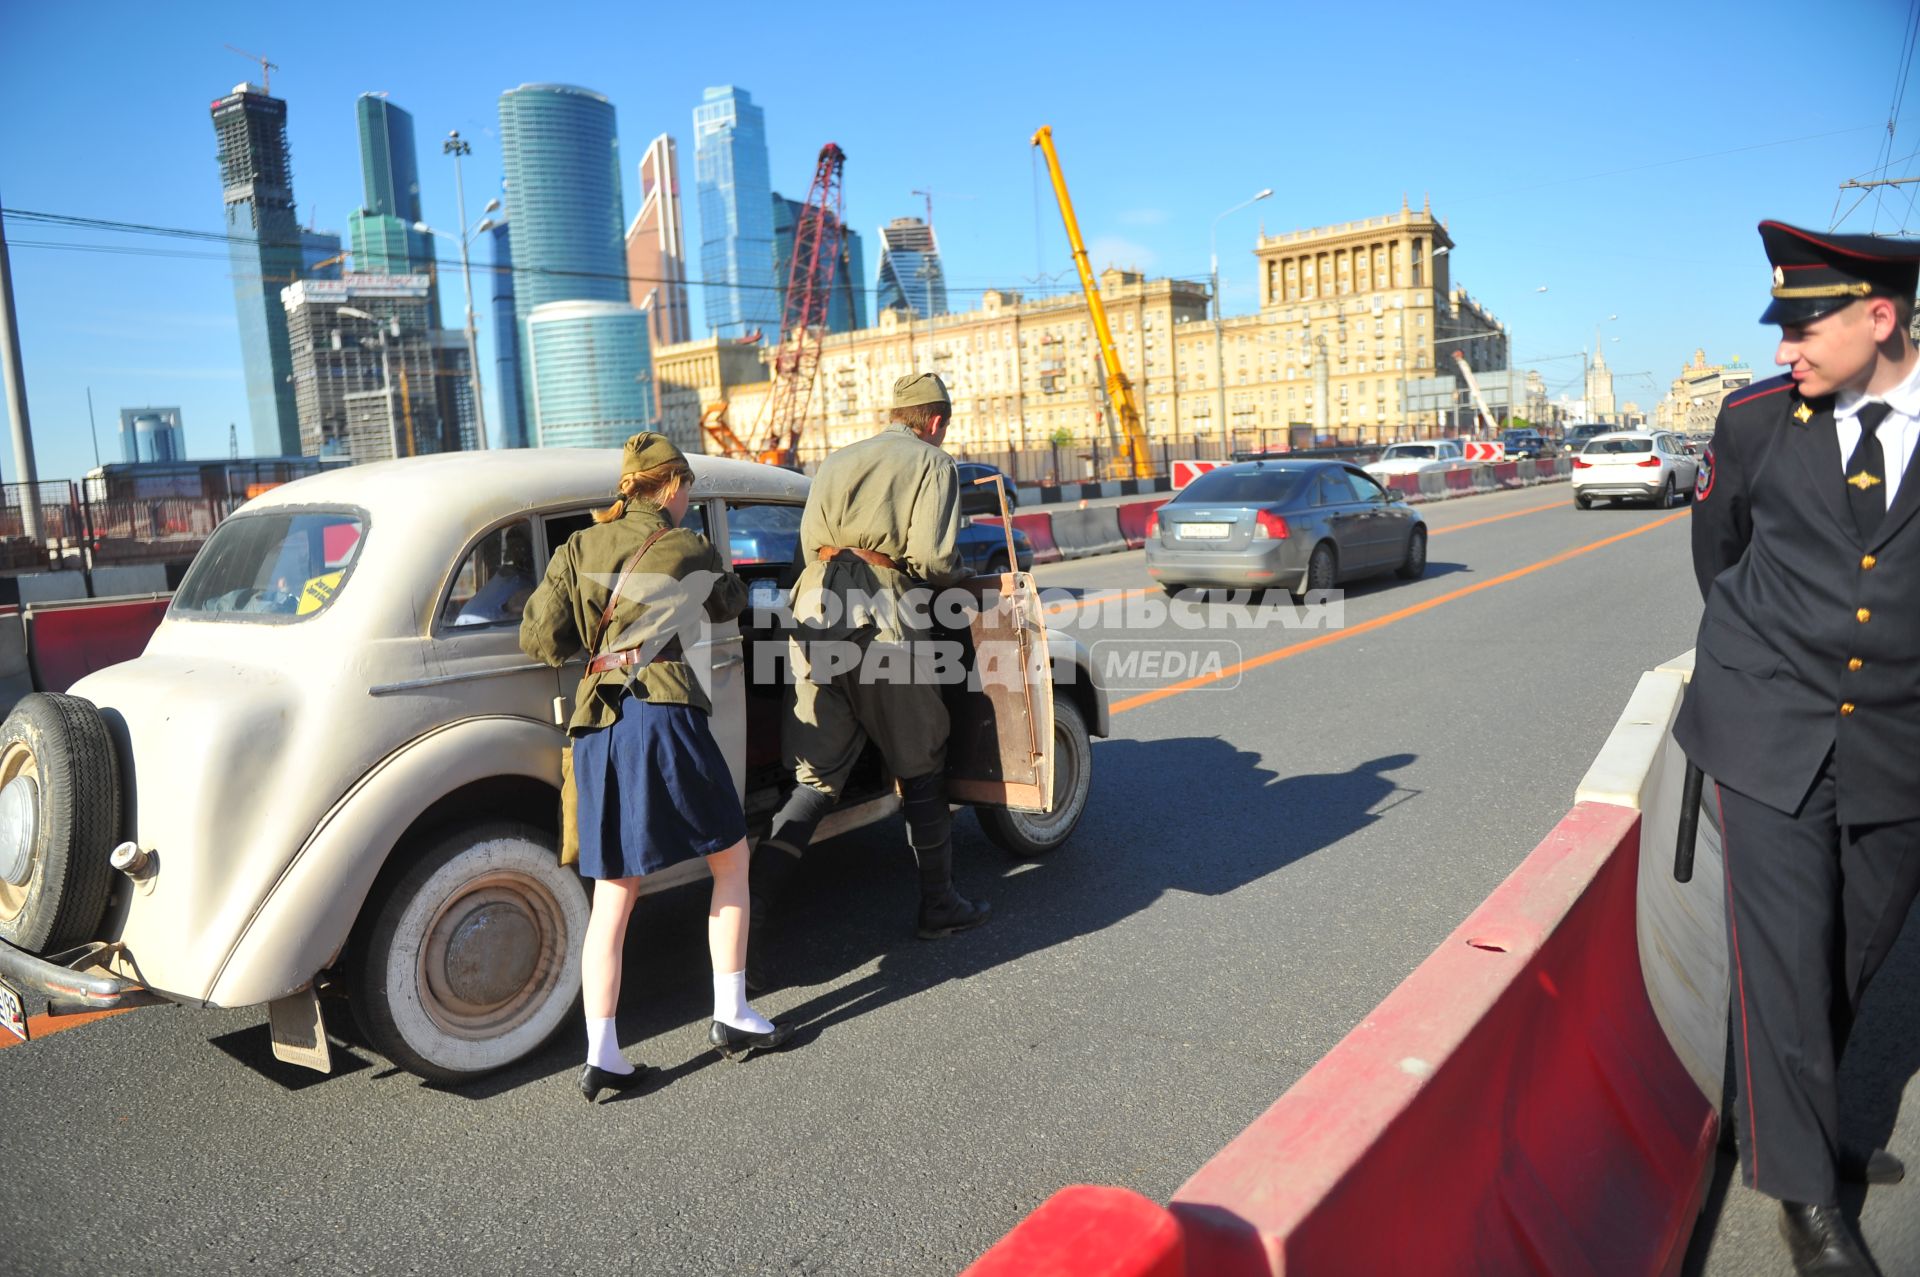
{"x": 1000, "y": 752}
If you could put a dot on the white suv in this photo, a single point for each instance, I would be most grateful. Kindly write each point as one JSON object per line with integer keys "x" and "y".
{"x": 1639, "y": 465}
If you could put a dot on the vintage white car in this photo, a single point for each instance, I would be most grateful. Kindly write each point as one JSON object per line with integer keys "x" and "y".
{"x": 1426, "y": 456}
{"x": 333, "y": 769}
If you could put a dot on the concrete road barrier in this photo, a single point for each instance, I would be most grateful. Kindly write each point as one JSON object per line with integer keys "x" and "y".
{"x": 66, "y": 641}
{"x": 1089, "y": 1232}
{"x": 1081, "y": 533}
{"x": 1039, "y": 530}
{"x": 1133, "y": 520}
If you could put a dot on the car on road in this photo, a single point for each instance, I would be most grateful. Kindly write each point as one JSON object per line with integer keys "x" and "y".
{"x": 1525, "y": 443}
{"x": 1634, "y": 465}
{"x": 1295, "y": 525}
{"x": 1421, "y": 457}
{"x": 1577, "y": 436}
{"x": 977, "y": 497}
{"x": 333, "y": 768}
{"x": 770, "y": 534}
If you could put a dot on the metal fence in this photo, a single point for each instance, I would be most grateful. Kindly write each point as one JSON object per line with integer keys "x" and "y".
{"x": 75, "y": 532}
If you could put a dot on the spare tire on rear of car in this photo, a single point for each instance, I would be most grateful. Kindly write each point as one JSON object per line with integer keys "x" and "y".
{"x": 59, "y": 821}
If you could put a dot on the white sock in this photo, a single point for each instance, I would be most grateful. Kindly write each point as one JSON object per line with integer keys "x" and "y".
{"x": 603, "y": 1048}
{"x": 730, "y": 1004}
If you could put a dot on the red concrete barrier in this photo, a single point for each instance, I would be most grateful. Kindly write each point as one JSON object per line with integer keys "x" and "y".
{"x": 1408, "y": 484}
{"x": 1133, "y": 521}
{"x": 1512, "y": 1107}
{"x": 1039, "y": 530}
{"x": 1460, "y": 480}
{"x": 1507, "y": 474}
{"x": 67, "y": 641}
{"x": 1084, "y": 1231}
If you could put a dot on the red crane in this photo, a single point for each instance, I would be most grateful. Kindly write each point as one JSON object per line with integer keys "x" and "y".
{"x": 810, "y": 276}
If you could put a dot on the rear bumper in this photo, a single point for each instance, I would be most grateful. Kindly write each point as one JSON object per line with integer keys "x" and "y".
{"x": 1611, "y": 487}
{"x": 71, "y": 981}
{"x": 1270, "y": 563}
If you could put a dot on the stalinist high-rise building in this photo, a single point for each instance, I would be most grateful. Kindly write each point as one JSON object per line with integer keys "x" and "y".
{"x": 1599, "y": 388}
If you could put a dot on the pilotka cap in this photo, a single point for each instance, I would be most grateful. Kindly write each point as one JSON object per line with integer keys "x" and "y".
{"x": 915, "y": 389}
{"x": 1814, "y": 273}
{"x": 647, "y": 450}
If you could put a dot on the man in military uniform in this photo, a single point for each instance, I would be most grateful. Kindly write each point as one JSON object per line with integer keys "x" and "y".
{"x": 1805, "y": 702}
{"x": 882, "y": 525}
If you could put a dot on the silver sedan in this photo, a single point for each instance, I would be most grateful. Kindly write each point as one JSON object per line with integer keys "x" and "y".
{"x": 1293, "y": 525}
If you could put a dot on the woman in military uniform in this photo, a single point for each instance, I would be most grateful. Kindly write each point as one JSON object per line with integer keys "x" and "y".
{"x": 653, "y": 786}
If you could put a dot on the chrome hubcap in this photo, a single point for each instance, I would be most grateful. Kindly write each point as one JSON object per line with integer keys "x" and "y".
{"x": 19, "y": 814}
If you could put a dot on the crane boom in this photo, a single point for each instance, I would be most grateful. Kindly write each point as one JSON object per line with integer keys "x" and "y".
{"x": 1487, "y": 424}
{"x": 817, "y": 237}
{"x": 1133, "y": 434}
{"x": 266, "y": 68}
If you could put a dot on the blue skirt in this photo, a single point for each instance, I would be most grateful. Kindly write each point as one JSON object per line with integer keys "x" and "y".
{"x": 654, "y": 790}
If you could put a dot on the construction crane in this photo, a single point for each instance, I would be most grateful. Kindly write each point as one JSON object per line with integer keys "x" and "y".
{"x": 929, "y": 198}
{"x": 714, "y": 425}
{"x": 266, "y": 67}
{"x": 816, "y": 258}
{"x": 1487, "y": 424}
{"x": 1133, "y": 460}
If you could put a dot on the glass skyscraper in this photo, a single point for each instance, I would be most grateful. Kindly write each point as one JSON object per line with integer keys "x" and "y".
{"x": 562, "y": 160}
{"x": 381, "y": 230}
{"x": 847, "y": 306}
{"x": 911, "y": 277}
{"x": 591, "y": 373}
{"x": 736, "y": 215}
{"x": 264, "y": 248}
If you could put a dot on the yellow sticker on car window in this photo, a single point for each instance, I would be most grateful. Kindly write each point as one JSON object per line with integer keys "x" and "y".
{"x": 318, "y": 593}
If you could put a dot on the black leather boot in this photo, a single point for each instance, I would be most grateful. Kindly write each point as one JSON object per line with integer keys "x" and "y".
{"x": 1870, "y": 1166}
{"x": 944, "y": 911}
{"x": 1822, "y": 1242}
{"x": 772, "y": 870}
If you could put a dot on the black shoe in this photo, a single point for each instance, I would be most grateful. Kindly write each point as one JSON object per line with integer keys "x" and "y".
{"x": 738, "y": 1044}
{"x": 1822, "y": 1243}
{"x": 949, "y": 914}
{"x": 594, "y": 1080}
{"x": 1874, "y": 1167}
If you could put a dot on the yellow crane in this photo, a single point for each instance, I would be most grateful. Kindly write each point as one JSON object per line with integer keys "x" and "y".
{"x": 1134, "y": 460}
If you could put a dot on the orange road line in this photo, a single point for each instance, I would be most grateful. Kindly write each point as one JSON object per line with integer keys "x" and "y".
{"x": 1091, "y": 599}
{"x": 40, "y": 1026}
{"x": 1380, "y": 622}
{"x": 1511, "y": 514}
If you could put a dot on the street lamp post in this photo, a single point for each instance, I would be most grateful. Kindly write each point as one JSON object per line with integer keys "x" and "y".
{"x": 457, "y": 146}
{"x": 1219, "y": 340}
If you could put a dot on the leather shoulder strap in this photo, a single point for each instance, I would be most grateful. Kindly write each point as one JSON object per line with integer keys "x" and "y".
{"x": 606, "y": 613}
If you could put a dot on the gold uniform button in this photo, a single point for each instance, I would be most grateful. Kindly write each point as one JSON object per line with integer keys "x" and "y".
{"x": 1868, "y": 562}
{"x": 1864, "y": 615}
{"x": 1846, "y": 708}
{"x": 1854, "y": 664}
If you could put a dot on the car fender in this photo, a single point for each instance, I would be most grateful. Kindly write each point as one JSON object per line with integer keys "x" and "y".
{"x": 310, "y": 911}
{"x": 1074, "y": 671}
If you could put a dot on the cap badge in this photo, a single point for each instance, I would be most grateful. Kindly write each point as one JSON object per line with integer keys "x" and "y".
{"x": 1779, "y": 277}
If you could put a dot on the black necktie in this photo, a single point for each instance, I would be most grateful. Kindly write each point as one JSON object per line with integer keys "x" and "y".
{"x": 1867, "y": 472}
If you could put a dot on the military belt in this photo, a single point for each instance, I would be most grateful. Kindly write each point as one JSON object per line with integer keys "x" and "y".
{"x": 873, "y": 557}
{"x": 632, "y": 657}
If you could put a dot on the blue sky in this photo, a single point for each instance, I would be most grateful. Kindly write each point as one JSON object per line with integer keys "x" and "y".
{"x": 1619, "y": 155}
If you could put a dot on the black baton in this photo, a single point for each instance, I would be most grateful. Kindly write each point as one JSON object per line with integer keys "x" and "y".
{"x": 1689, "y": 823}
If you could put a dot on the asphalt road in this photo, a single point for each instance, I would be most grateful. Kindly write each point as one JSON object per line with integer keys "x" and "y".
{"x": 1263, "y": 859}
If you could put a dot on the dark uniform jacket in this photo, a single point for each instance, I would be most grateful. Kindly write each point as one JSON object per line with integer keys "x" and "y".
{"x": 1811, "y": 637}
{"x": 564, "y": 612}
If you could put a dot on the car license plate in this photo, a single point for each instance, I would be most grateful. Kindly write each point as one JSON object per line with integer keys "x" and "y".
{"x": 13, "y": 1011}
{"x": 1205, "y": 531}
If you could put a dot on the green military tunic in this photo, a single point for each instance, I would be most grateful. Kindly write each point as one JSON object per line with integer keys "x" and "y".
{"x": 897, "y": 495}
{"x": 561, "y": 617}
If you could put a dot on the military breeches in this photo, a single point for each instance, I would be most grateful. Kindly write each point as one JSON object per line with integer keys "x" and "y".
{"x": 833, "y": 720}
{"x": 1814, "y": 908}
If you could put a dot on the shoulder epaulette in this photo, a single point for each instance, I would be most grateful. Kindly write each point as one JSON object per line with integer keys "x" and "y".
{"x": 1758, "y": 390}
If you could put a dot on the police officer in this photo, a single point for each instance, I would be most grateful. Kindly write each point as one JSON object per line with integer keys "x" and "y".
{"x": 882, "y": 524}
{"x": 1805, "y": 702}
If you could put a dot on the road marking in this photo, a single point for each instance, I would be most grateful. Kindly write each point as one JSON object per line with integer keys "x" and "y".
{"x": 1380, "y": 622}
{"x": 1090, "y": 599}
{"x": 1494, "y": 518}
{"x": 40, "y": 1026}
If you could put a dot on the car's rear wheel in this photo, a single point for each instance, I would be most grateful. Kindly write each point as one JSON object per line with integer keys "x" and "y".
{"x": 473, "y": 958}
{"x": 1027, "y": 834}
{"x": 1582, "y": 501}
{"x": 1669, "y": 494}
{"x": 1415, "y": 565}
{"x": 1323, "y": 569}
{"x": 996, "y": 564}
{"x": 59, "y": 820}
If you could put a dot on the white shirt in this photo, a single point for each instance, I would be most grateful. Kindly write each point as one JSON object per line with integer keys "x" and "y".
{"x": 1897, "y": 434}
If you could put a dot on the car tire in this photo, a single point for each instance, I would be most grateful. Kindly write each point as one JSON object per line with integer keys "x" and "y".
{"x": 1415, "y": 565}
{"x": 60, "y": 810}
{"x": 1669, "y": 494}
{"x": 472, "y": 959}
{"x": 1582, "y": 501}
{"x": 1028, "y": 835}
{"x": 997, "y": 563}
{"x": 1323, "y": 569}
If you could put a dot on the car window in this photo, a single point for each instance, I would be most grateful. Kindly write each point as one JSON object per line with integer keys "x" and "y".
{"x": 1241, "y": 487}
{"x": 763, "y": 534}
{"x": 561, "y": 526}
{"x": 494, "y": 580}
{"x": 1364, "y": 488}
{"x": 280, "y": 564}
{"x": 1616, "y": 447}
{"x": 1403, "y": 451}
